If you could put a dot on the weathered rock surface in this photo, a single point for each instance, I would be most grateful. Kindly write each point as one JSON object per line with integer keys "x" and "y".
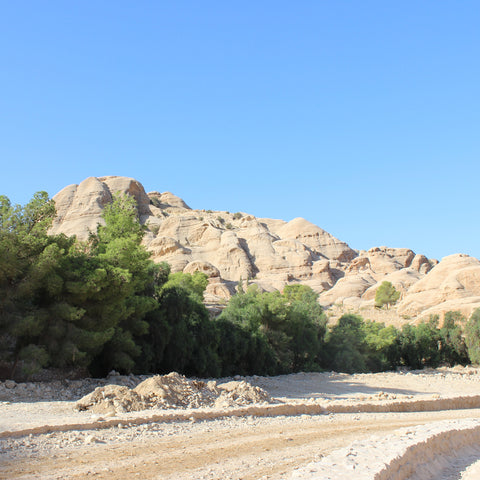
{"x": 365, "y": 273}
{"x": 273, "y": 253}
{"x": 80, "y": 207}
{"x": 453, "y": 284}
{"x": 227, "y": 247}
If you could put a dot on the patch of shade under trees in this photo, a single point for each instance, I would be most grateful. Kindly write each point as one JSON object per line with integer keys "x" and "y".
{"x": 103, "y": 304}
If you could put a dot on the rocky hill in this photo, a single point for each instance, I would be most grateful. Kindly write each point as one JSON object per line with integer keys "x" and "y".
{"x": 230, "y": 247}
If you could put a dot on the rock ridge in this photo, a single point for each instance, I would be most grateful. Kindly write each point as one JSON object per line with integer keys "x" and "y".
{"x": 233, "y": 247}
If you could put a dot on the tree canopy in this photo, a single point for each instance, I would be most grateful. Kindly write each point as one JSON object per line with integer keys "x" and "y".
{"x": 386, "y": 294}
{"x": 289, "y": 327}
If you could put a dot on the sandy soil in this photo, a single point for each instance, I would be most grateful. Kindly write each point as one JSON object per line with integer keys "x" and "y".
{"x": 312, "y": 416}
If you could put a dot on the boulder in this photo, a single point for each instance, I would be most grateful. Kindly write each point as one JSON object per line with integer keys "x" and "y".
{"x": 348, "y": 289}
{"x": 167, "y": 200}
{"x": 204, "y": 267}
{"x": 387, "y": 260}
{"x": 318, "y": 240}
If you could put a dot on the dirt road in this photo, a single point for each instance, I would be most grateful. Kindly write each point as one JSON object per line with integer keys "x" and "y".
{"x": 229, "y": 448}
{"x": 185, "y": 445}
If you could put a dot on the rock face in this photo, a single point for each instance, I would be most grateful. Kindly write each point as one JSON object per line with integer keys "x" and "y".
{"x": 79, "y": 207}
{"x": 453, "y": 284}
{"x": 273, "y": 253}
{"x": 368, "y": 270}
{"x": 227, "y": 247}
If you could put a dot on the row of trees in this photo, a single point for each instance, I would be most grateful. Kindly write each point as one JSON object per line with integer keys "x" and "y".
{"x": 103, "y": 304}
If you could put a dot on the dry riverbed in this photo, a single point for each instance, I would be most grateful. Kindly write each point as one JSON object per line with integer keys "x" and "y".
{"x": 234, "y": 431}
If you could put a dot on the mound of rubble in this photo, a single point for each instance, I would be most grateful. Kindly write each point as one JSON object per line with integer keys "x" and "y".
{"x": 171, "y": 391}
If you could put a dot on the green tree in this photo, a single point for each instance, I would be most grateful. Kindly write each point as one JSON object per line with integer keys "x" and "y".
{"x": 453, "y": 349}
{"x": 23, "y": 240}
{"x": 292, "y": 324}
{"x": 67, "y": 305}
{"x": 117, "y": 245}
{"x": 181, "y": 335}
{"x": 386, "y": 295}
{"x": 346, "y": 345}
{"x": 195, "y": 284}
{"x": 356, "y": 345}
{"x": 381, "y": 346}
{"x": 243, "y": 344}
{"x": 42, "y": 323}
{"x": 472, "y": 337}
{"x": 306, "y": 327}
{"x": 420, "y": 344}
{"x": 242, "y": 351}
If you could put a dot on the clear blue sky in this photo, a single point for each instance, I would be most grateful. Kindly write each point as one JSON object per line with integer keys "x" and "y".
{"x": 360, "y": 116}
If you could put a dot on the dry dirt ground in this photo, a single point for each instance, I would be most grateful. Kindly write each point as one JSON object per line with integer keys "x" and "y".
{"x": 311, "y": 417}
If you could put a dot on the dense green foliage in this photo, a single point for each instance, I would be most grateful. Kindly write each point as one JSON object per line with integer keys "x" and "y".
{"x": 386, "y": 294}
{"x": 453, "y": 347}
{"x": 282, "y": 332}
{"x": 194, "y": 284}
{"x": 357, "y": 346}
{"x": 64, "y": 303}
{"x": 472, "y": 337}
{"x": 117, "y": 244}
{"x": 182, "y": 337}
{"x": 354, "y": 345}
{"x": 103, "y": 304}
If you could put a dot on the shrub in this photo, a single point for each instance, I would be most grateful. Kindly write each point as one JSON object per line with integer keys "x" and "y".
{"x": 154, "y": 229}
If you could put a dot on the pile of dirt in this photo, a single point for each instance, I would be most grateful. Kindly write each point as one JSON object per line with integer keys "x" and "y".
{"x": 175, "y": 390}
{"x": 171, "y": 391}
{"x": 111, "y": 398}
{"x": 241, "y": 393}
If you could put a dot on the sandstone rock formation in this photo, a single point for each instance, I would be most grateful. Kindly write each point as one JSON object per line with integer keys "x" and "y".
{"x": 453, "y": 284}
{"x": 272, "y": 253}
{"x": 80, "y": 207}
{"x": 227, "y": 247}
{"x": 368, "y": 270}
